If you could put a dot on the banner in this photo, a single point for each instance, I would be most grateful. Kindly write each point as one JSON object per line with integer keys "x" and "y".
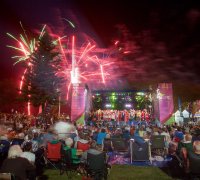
{"x": 165, "y": 101}
{"x": 78, "y": 103}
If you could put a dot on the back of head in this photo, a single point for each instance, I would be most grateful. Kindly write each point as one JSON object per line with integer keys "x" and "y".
{"x": 21, "y": 135}
{"x": 103, "y": 130}
{"x": 188, "y": 137}
{"x": 196, "y": 146}
{"x": 27, "y": 146}
{"x": 107, "y": 136}
{"x": 14, "y": 151}
{"x": 69, "y": 142}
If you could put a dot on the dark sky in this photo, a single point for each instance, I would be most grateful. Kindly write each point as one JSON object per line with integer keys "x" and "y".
{"x": 162, "y": 38}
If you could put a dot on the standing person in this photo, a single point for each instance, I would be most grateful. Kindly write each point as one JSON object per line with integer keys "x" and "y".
{"x": 127, "y": 117}
{"x": 167, "y": 136}
{"x": 100, "y": 137}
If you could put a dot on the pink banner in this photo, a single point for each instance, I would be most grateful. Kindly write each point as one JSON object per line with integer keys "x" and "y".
{"x": 166, "y": 103}
{"x": 79, "y": 93}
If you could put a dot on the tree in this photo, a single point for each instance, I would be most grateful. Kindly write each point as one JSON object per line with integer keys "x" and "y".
{"x": 41, "y": 84}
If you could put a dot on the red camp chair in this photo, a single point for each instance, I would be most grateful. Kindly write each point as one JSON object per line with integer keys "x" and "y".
{"x": 83, "y": 146}
{"x": 53, "y": 153}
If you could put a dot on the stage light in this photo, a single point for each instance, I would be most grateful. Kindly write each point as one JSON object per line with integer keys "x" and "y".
{"x": 108, "y": 105}
{"x": 128, "y": 105}
{"x": 158, "y": 95}
{"x": 140, "y": 93}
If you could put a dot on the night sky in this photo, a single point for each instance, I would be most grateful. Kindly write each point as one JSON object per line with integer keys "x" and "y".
{"x": 162, "y": 38}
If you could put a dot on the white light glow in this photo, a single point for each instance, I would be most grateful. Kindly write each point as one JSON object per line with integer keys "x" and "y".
{"x": 140, "y": 93}
{"x": 108, "y": 105}
{"x": 128, "y": 105}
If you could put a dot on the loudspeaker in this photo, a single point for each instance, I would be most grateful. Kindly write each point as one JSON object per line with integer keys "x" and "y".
{"x": 139, "y": 152}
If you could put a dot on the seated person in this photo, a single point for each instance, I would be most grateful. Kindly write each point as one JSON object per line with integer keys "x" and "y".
{"x": 117, "y": 133}
{"x": 138, "y": 139}
{"x": 18, "y": 139}
{"x": 187, "y": 144}
{"x": 126, "y": 135}
{"x": 178, "y": 135}
{"x": 195, "y": 157}
{"x": 27, "y": 152}
{"x": 141, "y": 131}
{"x": 49, "y": 136}
{"x": 82, "y": 143}
{"x": 17, "y": 165}
{"x": 4, "y": 147}
{"x": 74, "y": 152}
{"x": 93, "y": 150}
{"x": 107, "y": 144}
{"x": 196, "y": 146}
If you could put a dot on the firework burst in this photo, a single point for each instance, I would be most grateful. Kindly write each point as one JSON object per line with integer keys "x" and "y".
{"x": 80, "y": 64}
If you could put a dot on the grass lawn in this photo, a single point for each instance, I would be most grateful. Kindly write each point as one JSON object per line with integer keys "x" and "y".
{"x": 126, "y": 172}
{"x": 118, "y": 172}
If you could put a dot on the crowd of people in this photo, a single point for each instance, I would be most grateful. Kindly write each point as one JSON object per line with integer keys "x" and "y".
{"x": 121, "y": 115}
{"x": 25, "y": 142}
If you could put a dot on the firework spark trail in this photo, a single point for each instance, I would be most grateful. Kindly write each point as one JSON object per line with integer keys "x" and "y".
{"x": 42, "y": 32}
{"x": 86, "y": 50}
{"x": 68, "y": 88}
{"x": 72, "y": 25}
{"x": 62, "y": 50}
{"x": 26, "y": 53}
{"x": 22, "y": 81}
{"x": 101, "y": 64}
{"x": 102, "y": 74}
{"x": 29, "y": 108}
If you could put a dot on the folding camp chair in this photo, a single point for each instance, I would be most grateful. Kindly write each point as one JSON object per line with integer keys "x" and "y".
{"x": 140, "y": 152}
{"x": 158, "y": 145}
{"x": 119, "y": 146}
{"x": 96, "y": 166}
{"x": 83, "y": 146}
{"x": 53, "y": 153}
{"x": 69, "y": 164}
